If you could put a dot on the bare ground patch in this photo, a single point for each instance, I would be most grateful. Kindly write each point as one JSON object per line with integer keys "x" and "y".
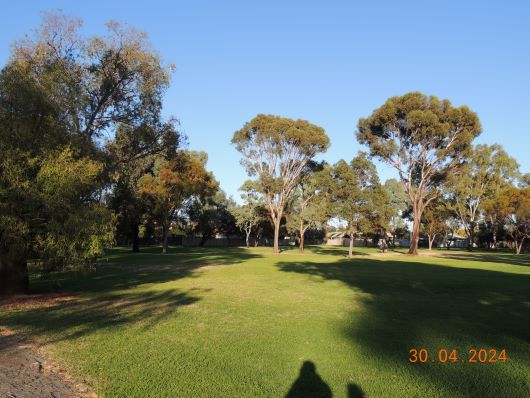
{"x": 28, "y": 301}
{"x": 26, "y": 373}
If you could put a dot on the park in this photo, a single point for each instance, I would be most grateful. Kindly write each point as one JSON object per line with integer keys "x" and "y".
{"x": 271, "y": 258}
{"x": 240, "y": 322}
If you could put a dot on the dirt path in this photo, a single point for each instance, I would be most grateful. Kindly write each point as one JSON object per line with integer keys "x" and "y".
{"x": 26, "y": 373}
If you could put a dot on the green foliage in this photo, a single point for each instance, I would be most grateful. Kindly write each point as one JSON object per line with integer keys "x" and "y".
{"x": 210, "y": 216}
{"x": 78, "y": 228}
{"x": 357, "y": 196}
{"x": 248, "y": 216}
{"x": 397, "y": 206}
{"x": 253, "y": 216}
{"x": 416, "y": 123}
{"x": 275, "y": 151}
{"x": 484, "y": 173}
{"x": 132, "y": 153}
{"x": 96, "y": 81}
{"x": 174, "y": 183}
{"x": 59, "y": 92}
{"x": 284, "y": 138}
{"x": 309, "y": 207}
{"x": 423, "y": 138}
{"x": 517, "y": 213}
{"x": 65, "y": 224}
{"x": 434, "y": 220}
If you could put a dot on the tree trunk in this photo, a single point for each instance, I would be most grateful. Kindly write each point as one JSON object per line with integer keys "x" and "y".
{"x": 203, "y": 240}
{"x": 247, "y": 239}
{"x": 449, "y": 240}
{"x": 277, "y": 235}
{"x": 413, "y": 249}
{"x": 302, "y": 233}
{"x": 350, "y": 250}
{"x": 495, "y": 239}
{"x": 431, "y": 241}
{"x": 471, "y": 236}
{"x": 519, "y": 247}
{"x": 135, "y": 238}
{"x": 165, "y": 230}
{"x": 14, "y": 276}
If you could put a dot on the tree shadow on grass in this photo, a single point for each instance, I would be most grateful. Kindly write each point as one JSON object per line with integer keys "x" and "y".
{"x": 505, "y": 258}
{"x": 340, "y": 251}
{"x": 75, "y": 318}
{"x": 415, "y": 305}
{"x": 123, "y": 269}
{"x": 107, "y": 303}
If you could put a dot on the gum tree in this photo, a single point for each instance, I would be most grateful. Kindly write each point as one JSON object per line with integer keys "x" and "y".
{"x": 247, "y": 218}
{"x": 355, "y": 194}
{"x": 275, "y": 151}
{"x": 517, "y": 222}
{"x": 434, "y": 220}
{"x": 398, "y": 204}
{"x": 252, "y": 213}
{"x": 424, "y": 139}
{"x": 309, "y": 205}
{"x": 484, "y": 172}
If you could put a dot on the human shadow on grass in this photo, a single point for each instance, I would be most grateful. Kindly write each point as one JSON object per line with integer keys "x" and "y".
{"x": 122, "y": 269}
{"x": 354, "y": 391}
{"x": 410, "y": 304}
{"x": 69, "y": 320}
{"x": 309, "y": 384}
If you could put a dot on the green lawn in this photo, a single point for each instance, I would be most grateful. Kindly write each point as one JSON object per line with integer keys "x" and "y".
{"x": 241, "y": 323}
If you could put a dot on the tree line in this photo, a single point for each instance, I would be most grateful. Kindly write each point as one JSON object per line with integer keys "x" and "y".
{"x": 445, "y": 182}
{"x": 87, "y": 160}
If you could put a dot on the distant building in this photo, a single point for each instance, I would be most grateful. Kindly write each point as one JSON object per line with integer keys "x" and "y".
{"x": 338, "y": 238}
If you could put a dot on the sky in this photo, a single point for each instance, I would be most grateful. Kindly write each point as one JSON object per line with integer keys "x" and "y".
{"x": 329, "y": 62}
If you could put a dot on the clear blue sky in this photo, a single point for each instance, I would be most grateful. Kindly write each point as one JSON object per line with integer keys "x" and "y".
{"x": 329, "y": 62}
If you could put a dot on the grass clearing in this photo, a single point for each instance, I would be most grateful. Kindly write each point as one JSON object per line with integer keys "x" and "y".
{"x": 237, "y": 322}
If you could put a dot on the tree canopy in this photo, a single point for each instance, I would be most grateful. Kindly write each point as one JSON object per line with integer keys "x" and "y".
{"x": 87, "y": 160}
{"x": 275, "y": 151}
{"x": 309, "y": 205}
{"x": 423, "y": 138}
{"x": 60, "y": 93}
{"x": 484, "y": 172}
{"x": 357, "y": 197}
{"x": 131, "y": 154}
{"x": 173, "y": 183}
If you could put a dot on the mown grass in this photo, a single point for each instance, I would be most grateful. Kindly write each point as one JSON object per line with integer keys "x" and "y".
{"x": 241, "y": 323}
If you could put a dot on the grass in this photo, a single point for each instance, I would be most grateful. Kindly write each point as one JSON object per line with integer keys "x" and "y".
{"x": 243, "y": 323}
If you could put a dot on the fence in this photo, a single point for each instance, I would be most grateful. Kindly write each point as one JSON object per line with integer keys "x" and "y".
{"x": 362, "y": 242}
